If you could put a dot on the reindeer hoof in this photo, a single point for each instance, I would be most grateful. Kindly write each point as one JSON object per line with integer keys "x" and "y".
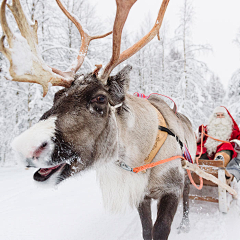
{"x": 184, "y": 226}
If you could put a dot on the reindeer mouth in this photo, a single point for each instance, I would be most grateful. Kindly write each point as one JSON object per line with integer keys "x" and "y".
{"x": 45, "y": 173}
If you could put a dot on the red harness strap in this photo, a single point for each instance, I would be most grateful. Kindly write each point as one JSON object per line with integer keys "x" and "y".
{"x": 141, "y": 95}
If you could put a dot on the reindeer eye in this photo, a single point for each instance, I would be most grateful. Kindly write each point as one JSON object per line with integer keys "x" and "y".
{"x": 99, "y": 99}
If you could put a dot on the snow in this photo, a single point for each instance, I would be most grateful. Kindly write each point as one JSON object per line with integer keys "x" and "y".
{"x": 21, "y": 52}
{"x": 74, "y": 210}
{"x": 30, "y": 59}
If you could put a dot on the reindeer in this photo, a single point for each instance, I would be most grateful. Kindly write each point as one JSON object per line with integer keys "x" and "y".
{"x": 94, "y": 123}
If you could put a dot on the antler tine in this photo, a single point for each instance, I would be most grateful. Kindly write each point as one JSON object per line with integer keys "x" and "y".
{"x": 86, "y": 39}
{"x": 7, "y": 31}
{"x": 137, "y": 46}
{"x": 23, "y": 25}
{"x": 148, "y": 37}
{"x": 123, "y": 8}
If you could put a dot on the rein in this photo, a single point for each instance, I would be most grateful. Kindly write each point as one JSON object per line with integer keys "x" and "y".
{"x": 213, "y": 137}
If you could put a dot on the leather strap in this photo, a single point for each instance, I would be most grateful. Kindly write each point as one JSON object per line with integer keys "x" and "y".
{"x": 160, "y": 139}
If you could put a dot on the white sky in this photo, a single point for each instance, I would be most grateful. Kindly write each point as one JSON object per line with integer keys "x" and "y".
{"x": 216, "y": 22}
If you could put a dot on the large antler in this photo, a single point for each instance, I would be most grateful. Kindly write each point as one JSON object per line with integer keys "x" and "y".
{"x": 26, "y": 63}
{"x": 123, "y": 8}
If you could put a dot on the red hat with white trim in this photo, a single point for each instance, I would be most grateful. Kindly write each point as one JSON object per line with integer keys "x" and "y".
{"x": 235, "y": 126}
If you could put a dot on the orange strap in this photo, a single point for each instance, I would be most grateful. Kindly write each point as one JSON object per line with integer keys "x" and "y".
{"x": 151, "y": 165}
{"x": 197, "y": 158}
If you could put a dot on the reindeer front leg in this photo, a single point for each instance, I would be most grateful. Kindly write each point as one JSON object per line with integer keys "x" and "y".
{"x": 144, "y": 211}
{"x": 167, "y": 208}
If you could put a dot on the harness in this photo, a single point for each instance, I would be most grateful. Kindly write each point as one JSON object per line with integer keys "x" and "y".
{"x": 160, "y": 139}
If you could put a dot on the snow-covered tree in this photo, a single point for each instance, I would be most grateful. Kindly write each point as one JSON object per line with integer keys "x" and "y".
{"x": 233, "y": 92}
{"x": 191, "y": 96}
{"x": 216, "y": 91}
{"x": 233, "y": 96}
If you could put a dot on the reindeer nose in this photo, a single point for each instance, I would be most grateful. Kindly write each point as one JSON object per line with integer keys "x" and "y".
{"x": 29, "y": 163}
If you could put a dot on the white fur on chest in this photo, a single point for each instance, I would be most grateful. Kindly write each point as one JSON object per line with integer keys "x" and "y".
{"x": 121, "y": 188}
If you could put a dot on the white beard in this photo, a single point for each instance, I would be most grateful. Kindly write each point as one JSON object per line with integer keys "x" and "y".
{"x": 219, "y": 128}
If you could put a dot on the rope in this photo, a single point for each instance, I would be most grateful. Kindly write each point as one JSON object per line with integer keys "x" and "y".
{"x": 197, "y": 158}
{"x": 151, "y": 165}
{"x": 215, "y": 138}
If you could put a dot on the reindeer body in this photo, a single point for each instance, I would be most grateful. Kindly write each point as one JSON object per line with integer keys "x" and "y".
{"x": 88, "y": 128}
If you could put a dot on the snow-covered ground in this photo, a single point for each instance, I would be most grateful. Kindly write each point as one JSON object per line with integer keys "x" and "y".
{"x": 74, "y": 211}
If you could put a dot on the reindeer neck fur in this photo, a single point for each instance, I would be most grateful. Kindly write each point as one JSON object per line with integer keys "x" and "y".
{"x": 119, "y": 187}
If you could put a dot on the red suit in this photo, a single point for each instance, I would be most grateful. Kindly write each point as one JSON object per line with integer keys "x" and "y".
{"x": 222, "y": 146}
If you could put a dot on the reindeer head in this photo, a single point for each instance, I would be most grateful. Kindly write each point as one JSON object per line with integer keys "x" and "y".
{"x": 80, "y": 129}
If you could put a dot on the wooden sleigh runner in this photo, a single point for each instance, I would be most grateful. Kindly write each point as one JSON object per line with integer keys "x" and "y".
{"x": 215, "y": 177}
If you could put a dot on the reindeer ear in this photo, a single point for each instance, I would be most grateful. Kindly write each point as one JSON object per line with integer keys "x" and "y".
{"x": 118, "y": 85}
{"x": 59, "y": 94}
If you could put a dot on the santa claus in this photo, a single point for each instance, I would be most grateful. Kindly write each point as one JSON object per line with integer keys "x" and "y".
{"x": 223, "y": 127}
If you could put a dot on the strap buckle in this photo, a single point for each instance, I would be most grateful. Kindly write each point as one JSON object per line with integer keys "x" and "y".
{"x": 124, "y": 166}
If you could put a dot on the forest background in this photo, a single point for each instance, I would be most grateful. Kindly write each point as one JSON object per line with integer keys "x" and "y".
{"x": 173, "y": 66}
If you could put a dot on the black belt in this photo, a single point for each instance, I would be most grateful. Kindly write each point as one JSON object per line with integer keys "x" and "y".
{"x": 161, "y": 128}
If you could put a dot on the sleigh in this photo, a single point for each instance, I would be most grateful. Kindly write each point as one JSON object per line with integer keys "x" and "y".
{"x": 212, "y": 192}
{"x": 214, "y": 176}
